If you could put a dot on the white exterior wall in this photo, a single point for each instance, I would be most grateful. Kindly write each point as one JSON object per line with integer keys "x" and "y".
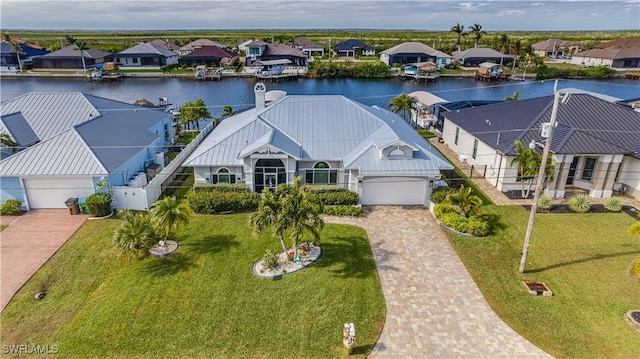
{"x": 384, "y": 58}
{"x": 630, "y": 176}
{"x": 590, "y": 61}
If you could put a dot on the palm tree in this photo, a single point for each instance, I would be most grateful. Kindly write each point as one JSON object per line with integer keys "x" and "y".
{"x": 270, "y": 215}
{"x": 503, "y": 44}
{"x": 529, "y": 162}
{"x": 403, "y": 104}
{"x": 302, "y": 213}
{"x": 288, "y": 208}
{"x": 81, "y": 46}
{"x": 514, "y": 97}
{"x": 15, "y": 47}
{"x": 7, "y": 141}
{"x": 168, "y": 214}
{"x": 466, "y": 203}
{"x": 135, "y": 234}
{"x": 634, "y": 268}
{"x": 516, "y": 49}
{"x": 459, "y": 31}
{"x": 478, "y": 33}
{"x": 227, "y": 111}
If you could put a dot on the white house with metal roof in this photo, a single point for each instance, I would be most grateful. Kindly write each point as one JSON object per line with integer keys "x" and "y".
{"x": 69, "y": 141}
{"x": 326, "y": 139}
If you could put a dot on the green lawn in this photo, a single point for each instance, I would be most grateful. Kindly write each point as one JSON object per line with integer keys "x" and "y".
{"x": 202, "y": 301}
{"x": 583, "y": 258}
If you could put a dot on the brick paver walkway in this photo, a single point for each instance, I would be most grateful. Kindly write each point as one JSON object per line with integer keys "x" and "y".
{"x": 434, "y": 308}
{"x": 29, "y": 242}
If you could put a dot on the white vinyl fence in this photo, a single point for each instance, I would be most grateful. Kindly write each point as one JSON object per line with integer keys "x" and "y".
{"x": 141, "y": 198}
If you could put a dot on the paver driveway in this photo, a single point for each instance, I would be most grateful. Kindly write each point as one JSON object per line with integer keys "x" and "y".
{"x": 434, "y": 308}
{"x": 27, "y": 244}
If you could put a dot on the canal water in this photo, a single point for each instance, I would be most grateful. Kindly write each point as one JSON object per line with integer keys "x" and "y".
{"x": 238, "y": 92}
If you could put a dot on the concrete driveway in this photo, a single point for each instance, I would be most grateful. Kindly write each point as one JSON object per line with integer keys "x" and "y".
{"x": 434, "y": 308}
{"x": 27, "y": 244}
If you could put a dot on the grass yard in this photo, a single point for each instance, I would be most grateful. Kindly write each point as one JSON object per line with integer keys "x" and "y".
{"x": 203, "y": 301}
{"x": 583, "y": 258}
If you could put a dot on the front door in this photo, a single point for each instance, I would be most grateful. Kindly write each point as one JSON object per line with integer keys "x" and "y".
{"x": 572, "y": 171}
{"x": 270, "y": 180}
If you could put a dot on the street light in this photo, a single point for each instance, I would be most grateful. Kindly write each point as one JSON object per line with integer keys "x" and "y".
{"x": 547, "y": 131}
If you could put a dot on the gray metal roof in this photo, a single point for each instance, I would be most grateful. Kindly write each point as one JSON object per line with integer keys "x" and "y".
{"x": 586, "y": 125}
{"x": 147, "y": 48}
{"x": 18, "y": 128}
{"x": 415, "y": 47}
{"x": 478, "y": 52}
{"x": 71, "y": 51}
{"x": 80, "y": 134}
{"x": 323, "y": 127}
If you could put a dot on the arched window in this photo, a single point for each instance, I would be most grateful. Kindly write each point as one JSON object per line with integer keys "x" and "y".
{"x": 321, "y": 174}
{"x": 397, "y": 152}
{"x": 223, "y": 176}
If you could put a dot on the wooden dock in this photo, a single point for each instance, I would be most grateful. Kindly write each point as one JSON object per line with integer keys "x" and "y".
{"x": 210, "y": 76}
{"x": 635, "y": 75}
{"x": 433, "y": 76}
{"x": 277, "y": 77}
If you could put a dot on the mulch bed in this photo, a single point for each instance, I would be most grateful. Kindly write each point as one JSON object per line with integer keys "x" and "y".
{"x": 596, "y": 208}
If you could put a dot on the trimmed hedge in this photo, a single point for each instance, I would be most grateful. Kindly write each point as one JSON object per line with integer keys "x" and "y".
{"x": 333, "y": 195}
{"x": 354, "y": 211}
{"x": 99, "y": 204}
{"x": 10, "y": 207}
{"x": 214, "y": 202}
{"x": 222, "y": 187}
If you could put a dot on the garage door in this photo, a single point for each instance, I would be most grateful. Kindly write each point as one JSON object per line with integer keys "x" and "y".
{"x": 394, "y": 190}
{"x": 51, "y": 192}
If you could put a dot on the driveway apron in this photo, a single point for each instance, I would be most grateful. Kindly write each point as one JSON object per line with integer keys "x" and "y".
{"x": 28, "y": 242}
{"x": 434, "y": 308}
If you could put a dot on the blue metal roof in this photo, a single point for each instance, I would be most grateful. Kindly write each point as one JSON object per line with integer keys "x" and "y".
{"x": 352, "y": 44}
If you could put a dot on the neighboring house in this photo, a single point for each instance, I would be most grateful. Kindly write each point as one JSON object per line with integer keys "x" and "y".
{"x": 353, "y": 48}
{"x": 212, "y": 56}
{"x": 69, "y": 141}
{"x": 617, "y": 54}
{"x": 197, "y": 44}
{"x": 9, "y": 58}
{"x": 69, "y": 57}
{"x": 474, "y": 56}
{"x": 307, "y": 46}
{"x": 325, "y": 139}
{"x": 165, "y": 44}
{"x": 595, "y": 144}
{"x": 243, "y": 46}
{"x": 262, "y": 51}
{"x": 145, "y": 55}
{"x": 414, "y": 53}
{"x": 555, "y": 47}
{"x": 424, "y": 110}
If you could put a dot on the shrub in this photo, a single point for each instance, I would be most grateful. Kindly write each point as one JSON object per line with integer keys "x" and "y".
{"x": 442, "y": 208}
{"x": 222, "y": 187}
{"x": 545, "y": 203}
{"x": 270, "y": 259}
{"x": 99, "y": 204}
{"x": 354, "y": 211}
{"x": 220, "y": 201}
{"x": 440, "y": 195}
{"x": 333, "y": 195}
{"x": 580, "y": 203}
{"x": 11, "y": 206}
{"x": 475, "y": 226}
{"x": 613, "y": 204}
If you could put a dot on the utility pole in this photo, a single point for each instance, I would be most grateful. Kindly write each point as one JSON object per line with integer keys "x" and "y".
{"x": 547, "y": 129}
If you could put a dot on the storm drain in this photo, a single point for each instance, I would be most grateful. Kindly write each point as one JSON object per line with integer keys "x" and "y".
{"x": 537, "y": 288}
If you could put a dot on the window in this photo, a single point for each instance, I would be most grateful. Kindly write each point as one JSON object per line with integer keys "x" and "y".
{"x": 457, "y": 135}
{"x": 321, "y": 174}
{"x": 589, "y": 166}
{"x": 254, "y": 51}
{"x": 135, "y": 60}
{"x": 166, "y": 132}
{"x": 223, "y": 176}
{"x": 475, "y": 149}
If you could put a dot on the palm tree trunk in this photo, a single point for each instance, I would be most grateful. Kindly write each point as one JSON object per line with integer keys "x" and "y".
{"x": 284, "y": 247}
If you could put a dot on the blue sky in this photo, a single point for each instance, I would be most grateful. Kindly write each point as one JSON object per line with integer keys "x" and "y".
{"x": 319, "y": 14}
